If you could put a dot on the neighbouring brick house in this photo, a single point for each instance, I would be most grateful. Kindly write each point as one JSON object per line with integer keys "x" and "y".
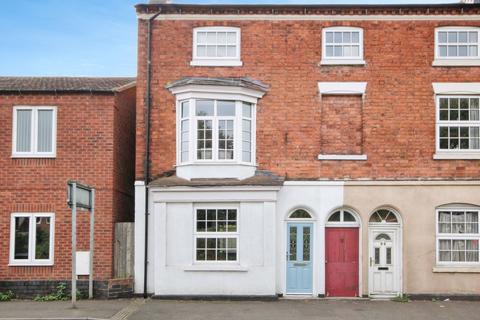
{"x": 53, "y": 130}
{"x": 323, "y": 150}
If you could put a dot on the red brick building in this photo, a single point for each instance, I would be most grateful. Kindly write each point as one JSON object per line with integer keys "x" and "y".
{"x": 359, "y": 124}
{"x": 54, "y": 130}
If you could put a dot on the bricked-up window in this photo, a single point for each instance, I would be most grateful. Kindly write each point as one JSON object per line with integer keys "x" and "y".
{"x": 457, "y": 43}
{"x": 216, "y": 130}
{"x": 458, "y": 236}
{"x": 341, "y": 125}
{"x": 342, "y": 45}
{"x": 34, "y": 131}
{"x": 458, "y": 125}
{"x": 216, "y": 234}
{"x": 216, "y": 46}
{"x": 31, "y": 238}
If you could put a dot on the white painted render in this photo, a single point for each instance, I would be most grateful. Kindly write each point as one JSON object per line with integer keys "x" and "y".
{"x": 319, "y": 199}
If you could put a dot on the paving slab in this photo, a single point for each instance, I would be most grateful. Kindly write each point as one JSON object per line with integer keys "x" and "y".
{"x": 306, "y": 310}
{"x": 86, "y": 309}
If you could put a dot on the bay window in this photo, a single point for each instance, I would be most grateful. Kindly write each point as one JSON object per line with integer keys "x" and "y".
{"x": 458, "y": 236}
{"x": 215, "y": 131}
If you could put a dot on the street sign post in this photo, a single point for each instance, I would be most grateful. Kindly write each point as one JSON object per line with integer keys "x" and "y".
{"x": 81, "y": 196}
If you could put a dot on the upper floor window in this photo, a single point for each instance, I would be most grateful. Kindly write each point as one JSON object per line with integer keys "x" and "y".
{"x": 31, "y": 239}
{"x": 34, "y": 131}
{"x": 457, "y": 46}
{"x": 458, "y": 235}
{"x": 342, "y": 45}
{"x": 216, "y": 130}
{"x": 216, "y": 46}
{"x": 458, "y": 125}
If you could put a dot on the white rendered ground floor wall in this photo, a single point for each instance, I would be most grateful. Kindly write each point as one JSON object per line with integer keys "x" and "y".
{"x": 263, "y": 223}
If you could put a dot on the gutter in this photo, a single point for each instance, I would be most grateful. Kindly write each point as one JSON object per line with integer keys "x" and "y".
{"x": 146, "y": 165}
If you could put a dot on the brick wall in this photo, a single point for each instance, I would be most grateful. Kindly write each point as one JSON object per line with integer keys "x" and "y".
{"x": 398, "y": 111}
{"x": 85, "y": 152}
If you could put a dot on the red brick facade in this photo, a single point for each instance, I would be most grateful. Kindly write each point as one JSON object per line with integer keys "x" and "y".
{"x": 397, "y": 131}
{"x": 95, "y": 145}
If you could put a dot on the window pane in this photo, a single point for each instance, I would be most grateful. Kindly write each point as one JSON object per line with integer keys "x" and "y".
{"x": 225, "y": 108}
{"x": 45, "y": 131}
{"x": 452, "y": 51}
{"x": 348, "y": 217}
{"x": 221, "y": 38}
{"x": 329, "y": 37}
{"x": 463, "y": 36}
{"x": 204, "y": 107}
{"x": 335, "y": 217}
{"x": 329, "y": 51}
{"x": 300, "y": 214}
{"x": 442, "y": 51}
{"x": 24, "y": 130}
{"x": 355, "y": 37}
{"x": 22, "y": 229}
{"x": 232, "y": 38}
{"x": 337, "y": 37}
{"x": 442, "y": 37}
{"x": 452, "y": 37}
{"x": 42, "y": 238}
{"x": 246, "y": 110}
{"x": 473, "y": 36}
{"x": 204, "y": 139}
{"x": 185, "y": 109}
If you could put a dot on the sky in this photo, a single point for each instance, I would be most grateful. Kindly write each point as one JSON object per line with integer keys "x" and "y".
{"x": 86, "y": 37}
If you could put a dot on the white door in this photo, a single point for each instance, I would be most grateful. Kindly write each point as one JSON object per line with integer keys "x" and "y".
{"x": 384, "y": 275}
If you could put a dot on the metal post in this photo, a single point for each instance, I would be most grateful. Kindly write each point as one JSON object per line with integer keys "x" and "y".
{"x": 92, "y": 229}
{"x": 74, "y": 245}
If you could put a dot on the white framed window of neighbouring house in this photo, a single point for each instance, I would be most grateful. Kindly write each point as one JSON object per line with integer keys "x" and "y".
{"x": 34, "y": 132}
{"x": 458, "y": 236}
{"x": 32, "y": 238}
{"x": 216, "y": 130}
{"x": 457, "y": 46}
{"x": 216, "y": 235}
{"x": 216, "y": 46}
{"x": 458, "y": 125}
{"x": 342, "y": 46}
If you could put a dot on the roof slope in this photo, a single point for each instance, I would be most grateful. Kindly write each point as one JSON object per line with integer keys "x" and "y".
{"x": 65, "y": 84}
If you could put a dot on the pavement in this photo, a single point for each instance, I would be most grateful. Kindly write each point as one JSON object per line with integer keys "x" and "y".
{"x": 318, "y": 309}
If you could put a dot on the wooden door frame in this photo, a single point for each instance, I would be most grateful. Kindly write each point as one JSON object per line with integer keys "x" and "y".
{"x": 359, "y": 227}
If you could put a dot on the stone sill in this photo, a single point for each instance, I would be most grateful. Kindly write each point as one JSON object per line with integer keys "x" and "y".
{"x": 340, "y": 62}
{"x": 456, "y": 269}
{"x": 456, "y": 63}
{"x": 343, "y": 157}
{"x": 215, "y": 268}
{"x": 456, "y": 156}
{"x": 216, "y": 63}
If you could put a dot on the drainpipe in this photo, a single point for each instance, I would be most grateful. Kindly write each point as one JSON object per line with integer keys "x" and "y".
{"x": 146, "y": 164}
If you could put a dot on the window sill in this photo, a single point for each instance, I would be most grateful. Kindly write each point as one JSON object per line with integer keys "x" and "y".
{"x": 30, "y": 264}
{"x": 343, "y": 157}
{"x": 216, "y": 63}
{"x": 456, "y": 63}
{"x": 457, "y": 269}
{"x": 456, "y": 156}
{"x": 338, "y": 62}
{"x": 215, "y": 268}
{"x": 33, "y": 156}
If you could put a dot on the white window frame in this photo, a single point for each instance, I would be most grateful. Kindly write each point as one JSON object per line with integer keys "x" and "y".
{"x": 443, "y": 154}
{"x": 455, "y": 236}
{"x": 237, "y": 131}
{"x": 217, "y": 61}
{"x": 196, "y": 234}
{"x": 342, "y": 60}
{"x": 455, "y": 61}
{"x": 31, "y": 261}
{"x": 33, "y": 153}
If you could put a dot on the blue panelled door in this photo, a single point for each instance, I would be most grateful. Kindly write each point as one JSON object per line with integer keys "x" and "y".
{"x": 299, "y": 258}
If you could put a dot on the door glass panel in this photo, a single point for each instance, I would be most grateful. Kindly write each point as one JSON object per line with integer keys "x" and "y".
{"x": 377, "y": 256}
{"x": 382, "y": 236}
{"x": 293, "y": 244}
{"x": 389, "y": 255}
{"x": 306, "y": 243}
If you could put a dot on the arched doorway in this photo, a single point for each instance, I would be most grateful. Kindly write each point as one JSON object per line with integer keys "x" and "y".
{"x": 342, "y": 254}
{"x": 299, "y": 253}
{"x": 385, "y": 253}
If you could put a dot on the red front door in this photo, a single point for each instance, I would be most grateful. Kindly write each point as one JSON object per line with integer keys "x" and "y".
{"x": 341, "y": 262}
